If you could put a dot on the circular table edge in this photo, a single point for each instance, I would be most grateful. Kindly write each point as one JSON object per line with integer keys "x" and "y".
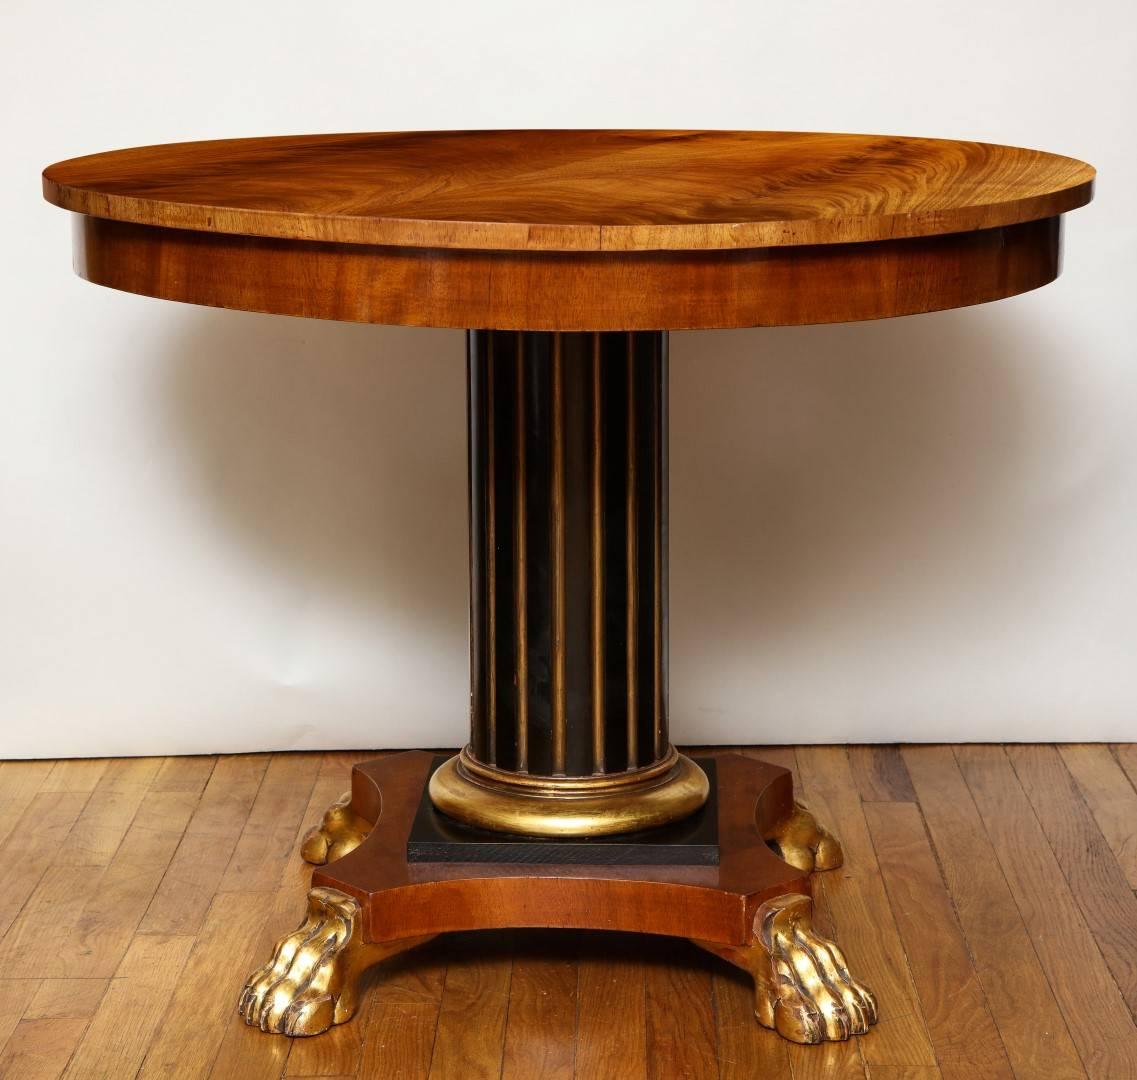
{"x": 570, "y": 291}
{"x": 534, "y": 237}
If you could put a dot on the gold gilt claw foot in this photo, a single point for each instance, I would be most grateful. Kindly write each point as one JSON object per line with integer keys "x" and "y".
{"x": 312, "y": 980}
{"x": 340, "y": 832}
{"x": 804, "y": 844}
{"x": 803, "y": 990}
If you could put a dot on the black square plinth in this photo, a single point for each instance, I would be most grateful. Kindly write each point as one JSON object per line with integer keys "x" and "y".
{"x": 435, "y": 838}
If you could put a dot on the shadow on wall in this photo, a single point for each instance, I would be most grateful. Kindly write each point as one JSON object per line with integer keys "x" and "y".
{"x": 859, "y": 489}
{"x": 823, "y": 479}
{"x": 333, "y": 453}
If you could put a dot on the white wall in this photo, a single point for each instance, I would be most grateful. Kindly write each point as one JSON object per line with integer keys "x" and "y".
{"x": 229, "y": 531}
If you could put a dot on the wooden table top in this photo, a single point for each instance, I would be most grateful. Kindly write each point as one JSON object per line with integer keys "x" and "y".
{"x": 575, "y": 190}
{"x": 568, "y": 230}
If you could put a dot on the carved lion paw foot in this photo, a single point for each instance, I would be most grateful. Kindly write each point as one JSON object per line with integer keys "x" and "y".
{"x": 312, "y": 980}
{"x": 811, "y": 997}
{"x": 340, "y": 832}
{"x": 805, "y": 844}
{"x": 309, "y": 984}
{"x": 803, "y": 989}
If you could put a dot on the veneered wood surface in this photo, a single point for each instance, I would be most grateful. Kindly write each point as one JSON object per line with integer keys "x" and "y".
{"x": 479, "y": 996}
{"x": 573, "y": 230}
{"x": 712, "y": 903}
{"x": 575, "y": 190}
{"x": 508, "y": 290}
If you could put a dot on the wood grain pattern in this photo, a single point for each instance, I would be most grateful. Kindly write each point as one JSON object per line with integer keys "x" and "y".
{"x": 40, "y": 1048}
{"x": 19, "y": 783}
{"x": 470, "y": 1037}
{"x": 1096, "y": 881}
{"x": 16, "y": 997}
{"x": 541, "y": 1023}
{"x": 504, "y": 290}
{"x": 867, "y": 931}
{"x": 880, "y": 774}
{"x": 65, "y": 999}
{"x": 1111, "y": 798}
{"x": 573, "y": 230}
{"x": 168, "y": 1005}
{"x": 180, "y": 904}
{"x": 31, "y": 846}
{"x": 574, "y": 190}
{"x": 680, "y": 1016}
{"x": 1095, "y": 1012}
{"x": 966, "y": 1041}
{"x": 1021, "y": 999}
{"x": 611, "y": 1036}
{"x": 129, "y": 1013}
{"x": 399, "y": 1042}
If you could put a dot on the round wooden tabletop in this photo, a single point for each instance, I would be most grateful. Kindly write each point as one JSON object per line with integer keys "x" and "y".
{"x": 589, "y": 230}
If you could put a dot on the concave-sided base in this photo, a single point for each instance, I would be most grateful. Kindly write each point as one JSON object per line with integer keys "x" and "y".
{"x": 752, "y": 909}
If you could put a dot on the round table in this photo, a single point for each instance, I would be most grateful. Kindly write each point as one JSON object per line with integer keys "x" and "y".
{"x": 568, "y": 255}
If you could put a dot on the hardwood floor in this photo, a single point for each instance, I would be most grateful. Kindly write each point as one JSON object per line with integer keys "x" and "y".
{"x": 988, "y": 898}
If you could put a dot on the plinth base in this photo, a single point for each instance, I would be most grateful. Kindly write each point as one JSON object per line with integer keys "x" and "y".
{"x": 752, "y": 909}
{"x": 435, "y": 837}
{"x": 562, "y": 807}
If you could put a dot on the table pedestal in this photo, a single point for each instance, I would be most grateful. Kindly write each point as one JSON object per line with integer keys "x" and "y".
{"x": 569, "y": 725}
{"x": 568, "y": 590}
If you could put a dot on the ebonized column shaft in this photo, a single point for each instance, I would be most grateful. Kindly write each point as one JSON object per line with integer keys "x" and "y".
{"x": 568, "y": 550}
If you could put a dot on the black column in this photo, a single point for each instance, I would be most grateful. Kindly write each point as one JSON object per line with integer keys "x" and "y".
{"x": 568, "y": 550}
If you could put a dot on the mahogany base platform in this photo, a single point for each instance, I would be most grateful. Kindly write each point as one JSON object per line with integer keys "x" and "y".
{"x": 753, "y": 909}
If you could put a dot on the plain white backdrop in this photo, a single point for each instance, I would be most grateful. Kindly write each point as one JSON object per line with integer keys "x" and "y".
{"x": 224, "y": 531}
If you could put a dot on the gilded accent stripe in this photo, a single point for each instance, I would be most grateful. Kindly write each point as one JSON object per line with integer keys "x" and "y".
{"x": 660, "y": 728}
{"x": 521, "y": 613}
{"x": 559, "y": 687}
{"x": 596, "y": 522}
{"x": 588, "y": 530}
{"x": 491, "y": 558}
{"x": 631, "y": 605}
{"x": 474, "y": 496}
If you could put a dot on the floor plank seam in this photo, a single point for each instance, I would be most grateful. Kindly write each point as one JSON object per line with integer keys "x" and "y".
{"x": 237, "y": 842}
{"x": 1077, "y": 791}
{"x": 47, "y": 866}
{"x": 508, "y": 1008}
{"x": 1023, "y": 915}
{"x": 1115, "y": 749}
{"x": 715, "y": 1023}
{"x": 819, "y": 882}
{"x": 971, "y": 957}
{"x": 1015, "y": 778}
{"x": 181, "y": 840}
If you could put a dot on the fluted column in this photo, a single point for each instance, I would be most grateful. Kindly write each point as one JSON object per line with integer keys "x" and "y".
{"x": 568, "y": 569}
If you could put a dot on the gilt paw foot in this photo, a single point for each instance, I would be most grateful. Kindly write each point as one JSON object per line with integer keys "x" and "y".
{"x": 312, "y": 980}
{"x": 341, "y": 831}
{"x": 805, "y": 844}
{"x": 803, "y": 989}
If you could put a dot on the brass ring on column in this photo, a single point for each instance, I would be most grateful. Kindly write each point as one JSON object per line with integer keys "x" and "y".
{"x": 603, "y": 805}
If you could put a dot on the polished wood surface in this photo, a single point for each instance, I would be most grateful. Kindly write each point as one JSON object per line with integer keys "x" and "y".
{"x": 174, "y": 875}
{"x": 573, "y": 230}
{"x": 715, "y": 903}
{"x": 575, "y": 190}
{"x": 594, "y": 291}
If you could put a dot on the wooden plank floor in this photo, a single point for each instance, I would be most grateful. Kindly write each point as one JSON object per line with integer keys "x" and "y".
{"x": 987, "y": 896}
